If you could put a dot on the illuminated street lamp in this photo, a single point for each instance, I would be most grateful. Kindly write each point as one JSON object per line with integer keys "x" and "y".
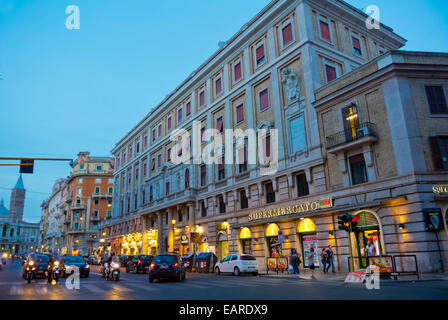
{"x": 173, "y": 222}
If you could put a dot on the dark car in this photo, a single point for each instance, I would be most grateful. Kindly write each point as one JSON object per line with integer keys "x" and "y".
{"x": 68, "y": 264}
{"x": 140, "y": 263}
{"x": 167, "y": 266}
{"x": 39, "y": 261}
{"x": 124, "y": 259}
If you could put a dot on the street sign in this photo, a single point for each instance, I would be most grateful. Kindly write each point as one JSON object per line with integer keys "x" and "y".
{"x": 433, "y": 219}
{"x": 26, "y": 166}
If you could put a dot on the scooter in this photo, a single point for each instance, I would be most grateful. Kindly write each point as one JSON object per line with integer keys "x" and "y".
{"x": 54, "y": 272}
{"x": 4, "y": 256}
{"x": 113, "y": 271}
{"x": 30, "y": 273}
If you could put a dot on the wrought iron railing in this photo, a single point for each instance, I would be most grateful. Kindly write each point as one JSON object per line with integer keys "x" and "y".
{"x": 365, "y": 129}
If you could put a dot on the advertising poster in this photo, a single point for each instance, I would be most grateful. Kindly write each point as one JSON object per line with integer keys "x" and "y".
{"x": 309, "y": 242}
{"x": 383, "y": 263}
{"x": 282, "y": 263}
{"x": 272, "y": 263}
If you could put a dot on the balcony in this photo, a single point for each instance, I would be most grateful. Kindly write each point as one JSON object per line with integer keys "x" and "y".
{"x": 102, "y": 195}
{"x": 95, "y": 218}
{"x": 351, "y": 139}
{"x": 67, "y": 221}
{"x": 78, "y": 206}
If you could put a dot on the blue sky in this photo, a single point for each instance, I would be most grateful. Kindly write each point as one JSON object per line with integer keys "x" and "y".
{"x": 81, "y": 90}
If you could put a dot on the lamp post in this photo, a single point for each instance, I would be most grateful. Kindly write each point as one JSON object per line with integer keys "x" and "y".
{"x": 173, "y": 223}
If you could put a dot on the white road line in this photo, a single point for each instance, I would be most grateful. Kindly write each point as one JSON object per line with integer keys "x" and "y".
{"x": 194, "y": 285}
{"x": 93, "y": 288}
{"x": 219, "y": 284}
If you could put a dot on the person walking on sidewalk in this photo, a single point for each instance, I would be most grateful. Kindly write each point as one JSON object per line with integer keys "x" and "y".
{"x": 330, "y": 259}
{"x": 324, "y": 257}
{"x": 311, "y": 262}
{"x": 295, "y": 261}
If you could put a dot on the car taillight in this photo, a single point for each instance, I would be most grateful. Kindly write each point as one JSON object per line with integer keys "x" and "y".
{"x": 139, "y": 261}
{"x": 175, "y": 265}
{"x": 152, "y": 265}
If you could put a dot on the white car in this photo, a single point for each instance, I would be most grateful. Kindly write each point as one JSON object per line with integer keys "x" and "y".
{"x": 237, "y": 264}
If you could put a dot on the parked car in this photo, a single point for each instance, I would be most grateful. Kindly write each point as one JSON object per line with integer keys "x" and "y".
{"x": 140, "y": 263}
{"x": 237, "y": 264}
{"x": 39, "y": 261}
{"x": 69, "y": 263}
{"x": 167, "y": 266}
{"x": 93, "y": 260}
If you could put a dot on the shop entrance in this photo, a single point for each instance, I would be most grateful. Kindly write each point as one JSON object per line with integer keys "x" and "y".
{"x": 223, "y": 246}
{"x": 273, "y": 245}
{"x": 246, "y": 241}
{"x": 367, "y": 232}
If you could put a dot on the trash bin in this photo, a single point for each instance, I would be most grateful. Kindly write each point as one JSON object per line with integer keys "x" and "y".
{"x": 187, "y": 260}
{"x": 206, "y": 261}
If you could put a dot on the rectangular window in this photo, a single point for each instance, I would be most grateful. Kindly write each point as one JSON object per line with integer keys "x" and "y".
{"x": 144, "y": 169}
{"x": 439, "y": 148}
{"x": 168, "y": 155}
{"x": 436, "y": 99}
{"x": 244, "y": 200}
{"x": 242, "y": 157}
{"x": 97, "y": 180}
{"x": 264, "y": 99}
{"x": 153, "y": 134}
{"x": 203, "y": 136}
{"x": 302, "y": 185}
{"x": 179, "y": 115}
{"x": 99, "y": 168}
{"x": 268, "y": 147}
{"x": 270, "y": 194}
{"x": 219, "y": 124}
{"x": 330, "y": 72}
{"x": 222, "y": 205}
{"x": 201, "y": 98}
{"x": 203, "y": 174}
{"x": 167, "y": 186}
{"x": 287, "y": 35}
{"x": 358, "y": 169}
{"x": 325, "y": 31}
{"x": 169, "y": 123}
{"x": 110, "y": 190}
{"x": 356, "y": 46}
{"x": 160, "y": 130}
{"x": 221, "y": 169}
{"x": 81, "y": 167}
{"x": 188, "y": 107}
{"x": 159, "y": 160}
{"x": 145, "y": 144}
{"x": 79, "y": 180}
{"x": 138, "y": 147}
{"x": 218, "y": 86}
{"x": 203, "y": 209}
{"x": 260, "y": 54}
{"x": 240, "y": 113}
{"x": 237, "y": 72}
{"x": 153, "y": 164}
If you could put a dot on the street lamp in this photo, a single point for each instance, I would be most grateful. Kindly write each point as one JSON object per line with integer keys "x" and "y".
{"x": 173, "y": 222}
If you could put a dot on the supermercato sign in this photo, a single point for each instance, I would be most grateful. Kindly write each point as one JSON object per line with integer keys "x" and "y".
{"x": 301, "y": 207}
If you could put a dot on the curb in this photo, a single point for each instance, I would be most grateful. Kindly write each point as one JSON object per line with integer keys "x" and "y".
{"x": 342, "y": 280}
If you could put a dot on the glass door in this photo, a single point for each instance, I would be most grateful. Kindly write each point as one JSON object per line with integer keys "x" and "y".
{"x": 351, "y": 122}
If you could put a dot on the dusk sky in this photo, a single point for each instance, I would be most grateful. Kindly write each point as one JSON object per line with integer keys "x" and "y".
{"x": 65, "y": 91}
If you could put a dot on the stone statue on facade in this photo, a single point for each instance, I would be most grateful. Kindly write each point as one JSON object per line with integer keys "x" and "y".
{"x": 291, "y": 84}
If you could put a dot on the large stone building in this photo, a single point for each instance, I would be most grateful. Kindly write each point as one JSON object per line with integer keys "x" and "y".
{"x": 16, "y": 235}
{"x": 72, "y": 215}
{"x": 302, "y": 74}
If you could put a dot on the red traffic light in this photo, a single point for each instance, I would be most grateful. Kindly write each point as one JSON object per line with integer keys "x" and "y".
{"x": 355, "y": 218}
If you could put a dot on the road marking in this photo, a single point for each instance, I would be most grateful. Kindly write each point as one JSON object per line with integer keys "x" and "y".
{"x": 121, "y": 288}
{"x": 93, "y": 288}
{"x": 194, "y": 285}
{"x": 219, "y": 284}
{"x": 145, "y": 287}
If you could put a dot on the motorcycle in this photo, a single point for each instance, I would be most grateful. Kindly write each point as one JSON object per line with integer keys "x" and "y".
{"x": 30, "y": 273}
{"x": 112, "y": 271}
{"x": 4, "y": 256}
{"x": 54, "y": 272}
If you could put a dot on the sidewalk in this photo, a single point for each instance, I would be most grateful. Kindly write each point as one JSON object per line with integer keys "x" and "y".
{"x": 340, "y": 276}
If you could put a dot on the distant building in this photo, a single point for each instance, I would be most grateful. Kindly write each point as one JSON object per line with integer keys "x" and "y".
{"x": 16, "y": 235}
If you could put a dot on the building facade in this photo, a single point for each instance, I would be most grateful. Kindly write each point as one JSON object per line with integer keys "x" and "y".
{"x": 17, "y": 236}
{"x": 272, "y": 79}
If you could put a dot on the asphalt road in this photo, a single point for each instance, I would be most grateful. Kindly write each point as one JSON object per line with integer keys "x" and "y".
{"x": 209, "y": 287}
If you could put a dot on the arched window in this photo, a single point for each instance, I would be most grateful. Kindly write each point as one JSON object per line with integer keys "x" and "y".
{"x": 187, "y": 179}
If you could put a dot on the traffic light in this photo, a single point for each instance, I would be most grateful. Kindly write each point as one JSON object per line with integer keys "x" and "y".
{"x": 344, "y": 223}
{"x": 26, "y": 166}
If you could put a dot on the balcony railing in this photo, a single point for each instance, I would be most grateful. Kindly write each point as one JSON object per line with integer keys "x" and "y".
{"x": 78, "y": 206}
{"x": 364, "y": 130}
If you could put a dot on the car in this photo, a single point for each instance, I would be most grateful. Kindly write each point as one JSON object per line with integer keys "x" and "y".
{"x": 140, "y": 263}
{"x": 93, "y": 260}
{"x": 237, "y": 264}
{"x": 69, "y": 263}
{"x": 167, "y": 266}
{"x": 40, "y": 261}
{"x": 124, "y": 259}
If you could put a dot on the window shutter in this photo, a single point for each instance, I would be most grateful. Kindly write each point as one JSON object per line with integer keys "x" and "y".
{"x": 219, "y": 124}
{"x": 325, "y": 30}
{"x": 169, "y": 123}
{"x": 436, "y": 153}
{"x": 356, "y": 44}
{"x": 238, "y": 71}
{"x": 188, "y": 108}
{"x": 218, "y": 85}
{"x": 260, "y": 52}
{"x": 264, "y": 99}
{"x": 268, "y": 146}
{"x": 331, "y": 73}
{"x": 436, "y": 99}
{"x": 201, "y": 98}
{"x": 287, "y": 34}
{"x": 239, "y": 113}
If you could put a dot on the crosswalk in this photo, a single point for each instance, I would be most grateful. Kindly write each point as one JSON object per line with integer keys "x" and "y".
{"x": 100, "y": 287}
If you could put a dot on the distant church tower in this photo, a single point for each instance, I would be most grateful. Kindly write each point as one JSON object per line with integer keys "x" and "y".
{"x": 17, "y": 201}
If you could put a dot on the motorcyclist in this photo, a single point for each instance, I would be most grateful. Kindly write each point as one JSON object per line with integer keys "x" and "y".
{"x": 108, "y": 262}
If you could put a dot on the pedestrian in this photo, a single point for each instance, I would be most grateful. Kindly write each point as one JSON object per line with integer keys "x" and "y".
{"x": 324, "y": 257}
{"x": 295, "y": 261}
{"x": 311, "y": 262}
{"x": 330, "y": 259}
{"x": 370, "y": 249}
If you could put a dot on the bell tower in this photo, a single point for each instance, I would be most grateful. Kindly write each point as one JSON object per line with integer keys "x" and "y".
{"x": 17, "y": 201}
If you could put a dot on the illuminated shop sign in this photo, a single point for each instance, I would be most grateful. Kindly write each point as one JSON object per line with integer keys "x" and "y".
{"x": 440, "y": 190}
{"x": 299, "y": 208}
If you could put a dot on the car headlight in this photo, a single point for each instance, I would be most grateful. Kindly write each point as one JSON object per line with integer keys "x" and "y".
{"x": 31, "y": 263}
{"x": 56, "y": 263}
{"x": 87, "y": 266}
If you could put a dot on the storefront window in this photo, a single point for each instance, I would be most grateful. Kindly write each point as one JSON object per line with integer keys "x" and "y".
{"x": 246, "y": 243}
{"x": 274, "y": 247}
